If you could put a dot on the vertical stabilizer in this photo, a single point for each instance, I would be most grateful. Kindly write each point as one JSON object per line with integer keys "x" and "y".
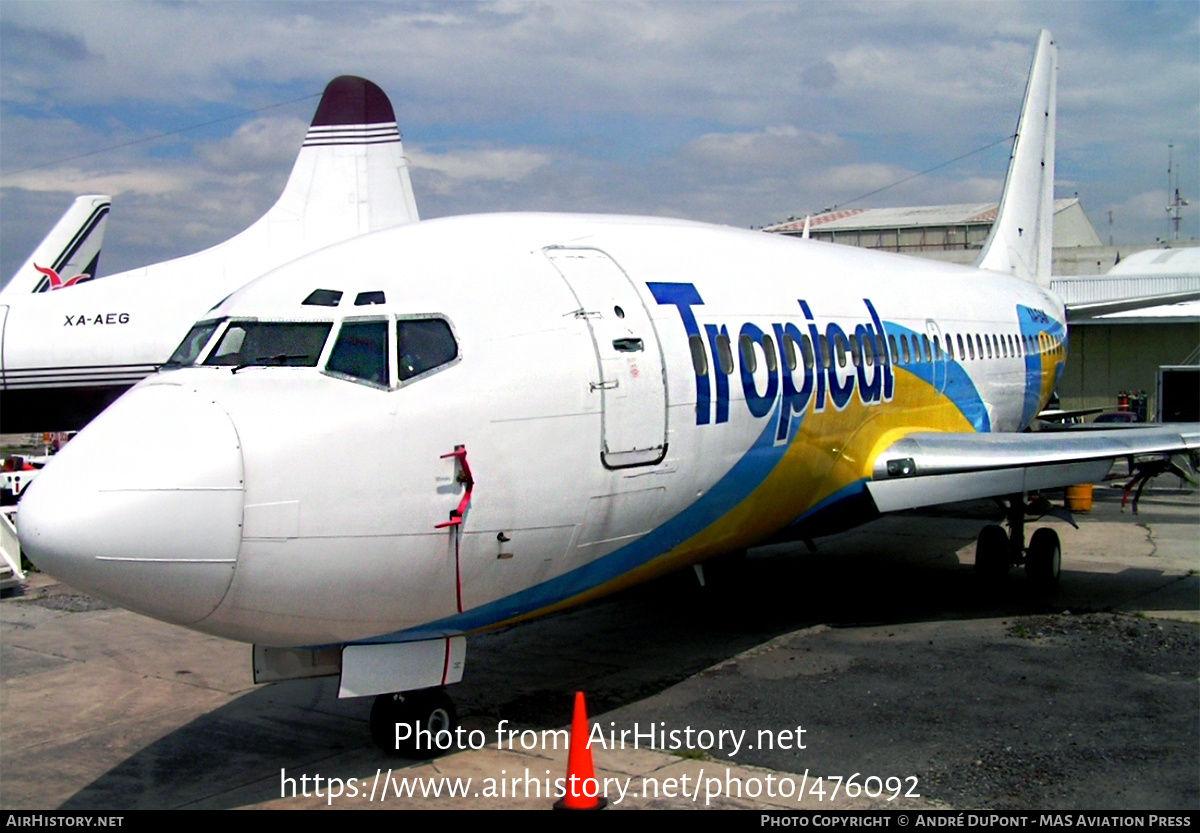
{"x": 1021, "y": 239}
{"x": 70, "y": 253}
{"x": 351, "y": 176}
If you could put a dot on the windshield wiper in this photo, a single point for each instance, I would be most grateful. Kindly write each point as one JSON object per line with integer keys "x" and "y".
{"x": 271, "y": 361}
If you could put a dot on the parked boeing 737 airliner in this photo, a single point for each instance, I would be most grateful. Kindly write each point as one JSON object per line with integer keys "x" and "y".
{"x": 532, "y": 410}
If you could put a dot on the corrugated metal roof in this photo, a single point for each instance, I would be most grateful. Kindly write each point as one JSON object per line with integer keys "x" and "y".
{"x": 1184, "y": 261}
{"x": 907, "y": 217}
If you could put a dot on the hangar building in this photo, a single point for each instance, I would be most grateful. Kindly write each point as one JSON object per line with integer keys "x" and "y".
{"x": 1110, "y": 354}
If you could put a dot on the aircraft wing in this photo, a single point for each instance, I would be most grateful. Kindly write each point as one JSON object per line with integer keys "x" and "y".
{"x": 928, "y": 468}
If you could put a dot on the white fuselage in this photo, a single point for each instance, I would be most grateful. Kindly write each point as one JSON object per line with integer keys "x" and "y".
{"x": 624, "y": 393}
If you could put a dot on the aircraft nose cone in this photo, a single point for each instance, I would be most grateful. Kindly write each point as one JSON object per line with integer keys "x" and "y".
{"x": 144, "y": 507}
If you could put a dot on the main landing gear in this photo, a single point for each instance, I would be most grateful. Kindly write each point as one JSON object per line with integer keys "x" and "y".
{"x": 997, "y": 550}
{"x": 414, "y": 724}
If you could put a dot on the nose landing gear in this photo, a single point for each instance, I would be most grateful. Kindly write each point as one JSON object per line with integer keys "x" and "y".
{"x": 414, "y": 724}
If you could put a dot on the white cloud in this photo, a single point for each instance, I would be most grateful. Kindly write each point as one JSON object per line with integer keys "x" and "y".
{"x": 255, "y": 145}
{"x": 480, "y": 165}
{"x": 76, "y": 181}
{"x": 782, "y": 145}
{"x": 737, "y": 112}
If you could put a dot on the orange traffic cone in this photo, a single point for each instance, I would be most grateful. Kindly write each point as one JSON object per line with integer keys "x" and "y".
{"x": 583, "y": 789}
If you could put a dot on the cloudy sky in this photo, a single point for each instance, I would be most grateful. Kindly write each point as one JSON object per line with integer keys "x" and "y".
{"x": 733, "y": 112}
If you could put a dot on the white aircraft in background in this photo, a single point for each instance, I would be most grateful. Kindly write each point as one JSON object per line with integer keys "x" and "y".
{"x": 66, "y": 355}
{"x": 529, "y": 411}
{"x": 69, "y": 254}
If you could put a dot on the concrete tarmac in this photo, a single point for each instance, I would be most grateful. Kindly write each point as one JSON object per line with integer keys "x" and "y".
{"x": 882, "y": 646}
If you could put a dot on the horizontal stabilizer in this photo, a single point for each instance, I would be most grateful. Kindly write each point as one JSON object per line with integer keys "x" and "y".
{"x": 1094, "y": 309}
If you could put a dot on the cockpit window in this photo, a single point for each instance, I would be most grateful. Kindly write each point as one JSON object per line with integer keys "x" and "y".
{"x": 423, "y": 344}
{"x": 322, "y": 298}
{"x": 366, "y": 299}
{"x": 270, "y": 343}
{"x": 193, "y": 343}
{"x": 361, "y": 352}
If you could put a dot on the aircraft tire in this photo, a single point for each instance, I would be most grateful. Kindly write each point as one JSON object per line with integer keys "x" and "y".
{"x": 991, "y": 552}
{"x": 1043, "y": 560}
{"x": 428, "y": 712}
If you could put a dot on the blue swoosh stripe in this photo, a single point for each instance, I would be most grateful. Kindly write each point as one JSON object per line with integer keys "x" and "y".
{"x": 737, "y": 484}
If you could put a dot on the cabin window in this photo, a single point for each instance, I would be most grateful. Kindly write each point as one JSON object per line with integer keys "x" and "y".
{"x": 768, "y": 344}
{"x": 789, "y": 351}
{"x": 724, "y": 354}
{"x": 322, "y": 298}
{"x": 868, "y": 350}
{"x": 193, "y": 344}
{"x": 855, "y": 352}
{"x": 962, "y": 353}
{"x": 839, "y": 344}
{"x": 881, "y": 349}
{"x": 749, "y": 360}
{"x": 904, "y": 344}
{"x": 928, "y": 349}
{"x": 937, "y": 348}
{"x": 423, "y": 344}
{"x": 895, "y": 349}
{"x": 807, "y": 351}
{"x": 823, "y": 344}
{"x": 361, "y": 352}
{"x": 366, "y": 299}
{"x": 970, "y": 347}
{"x": 270, "y": 344}
{"x": 699, "y": 357}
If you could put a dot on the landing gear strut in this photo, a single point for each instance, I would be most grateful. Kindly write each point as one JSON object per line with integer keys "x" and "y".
{"x": 996, "y": 550}
{"x": 408, "y": 724}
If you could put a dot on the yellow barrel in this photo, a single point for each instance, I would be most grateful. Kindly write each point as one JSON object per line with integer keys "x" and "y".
{"x": 1079, "y": 497}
